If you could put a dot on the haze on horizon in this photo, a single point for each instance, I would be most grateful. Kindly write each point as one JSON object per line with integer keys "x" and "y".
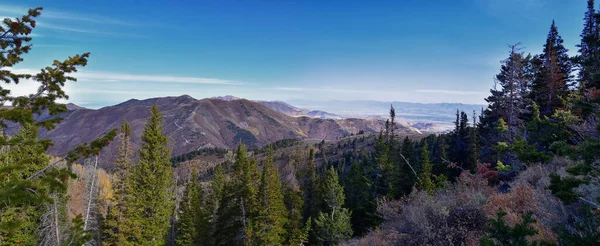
{"x": 414, "y": 51}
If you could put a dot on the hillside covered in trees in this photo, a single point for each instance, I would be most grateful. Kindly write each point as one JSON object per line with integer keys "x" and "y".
{"x": 525, "y": 171}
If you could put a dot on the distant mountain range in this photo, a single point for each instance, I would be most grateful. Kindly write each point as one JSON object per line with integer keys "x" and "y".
{"x": 288, "y": 109}
{"x": 439, "y": 113}
{"x": 437, "y": 116}
{"x": 191, "y": 124}
{"x": 428, "y": 117}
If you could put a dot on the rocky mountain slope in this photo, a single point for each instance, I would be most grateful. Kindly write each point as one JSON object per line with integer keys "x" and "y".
{"x": 287, "y": 109}
{"x": 191, "y": 124}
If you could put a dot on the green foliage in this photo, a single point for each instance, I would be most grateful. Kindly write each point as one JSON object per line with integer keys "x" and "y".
{"x": 23, "y": 190}
{"x": 309, "y": 184}
{"x": 150, "y": 201}
{"x": 498, "y": 233}
{"x": 383, "y": 162}
{"x": 18, "y": 226}
{"x": 295, "y": 233}
{"x": 500, "y": 167}
{"x": 114, "y": 226}
{"x": 19, "y": 221}
{"x": 563, "y": 187}
{"x": 528, "y": 153}
{"x": 441, "y": 181}
{"x": 561, "y": 148}
{"x": 78, "y": 235}
{"x": 501, "y": 127}
{"x": 501, "y": 147}
{"x": 220, "y": 152}
{"x": 425, "y": 183}
{"x": 268, "y": 224}
{"x": 332, "y": 224}
{"x": 238, "y": 203}
{"x": 193, "y": 227}
{"x": 584, "y": 232}
{"x": 360, "y": 200}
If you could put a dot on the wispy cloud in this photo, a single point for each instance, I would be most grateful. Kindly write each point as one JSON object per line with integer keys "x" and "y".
{"x": 123, "y": 92}
{"x": 289, "y": 89}
{"x": 326, "y": 89}
{"x": 117, "y": 77}
{"x": 89, "y": 30}
{"x": 121, "y": 77}
{"x": 451, "y": 92}
{"x": 62, "y": 15}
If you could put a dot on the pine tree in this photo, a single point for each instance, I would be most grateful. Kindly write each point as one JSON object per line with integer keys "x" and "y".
{"x": 238, "y": 203}
{"x": 33, "y": 157}
{"x": 268, "y": 225}
{"x": 193, "y": 227}
{"x": 474, "y": 143}
{"x": 589, "y": 49}
{"x": 217, "y": 187}
{"x": 501, "y": 234}
{"x": 310, "y": 187}
{"x": 295, "y": 233}
{"x": 113, "y": 228}
{"x": 150, "y": 202}
{"x": 516, "y": 75}
{"x": 406, "y": 176}
{"x": 382, "y": 174}
{"x": 425, "y": 183}
{"x": 553, "y": 76}
{"x": 360, "y": 200}
{"x": 332, "y": 225}
{"x": 23, "y": 191}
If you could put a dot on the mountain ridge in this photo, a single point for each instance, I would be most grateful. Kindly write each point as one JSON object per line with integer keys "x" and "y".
{"x": 192, "y": 124}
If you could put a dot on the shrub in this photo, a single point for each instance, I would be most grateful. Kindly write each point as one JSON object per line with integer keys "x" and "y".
{"x": 563, "y": 187}
{"x": 523, "y": 199}
{"x": 498, "y": 233}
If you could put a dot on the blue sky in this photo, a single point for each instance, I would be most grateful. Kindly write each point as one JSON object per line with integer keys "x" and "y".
{"x": 406, "y": 50}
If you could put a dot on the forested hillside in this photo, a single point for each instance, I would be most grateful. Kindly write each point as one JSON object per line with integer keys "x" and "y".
{"x": 525, "y": 171}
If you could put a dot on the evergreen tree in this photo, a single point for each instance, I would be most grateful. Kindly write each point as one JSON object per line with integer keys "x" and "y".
{"x": 193, "y": 227}
{"x": 295, "y": 233}
{"x": 33, "y": 157}
{"x": 425, "y": 182}
{"x": 474, "y": 144}
{"x": 23, "y": 188}
{"x": 382, "y": 171}
{"x": 113, "y": 227}
{"x": 406, "y": 175}
{"x": 150, "y": 202}
{"x": 238, "y": 203}
{"x": 360, "y": 200}
{"x": 589, "y": 49}
{"x": 268, "y": 225}
{"x": 217, "y": 187}
{"x": 553, "y": 74}
{"x": 332, "y": 224}
{"x": 310, "y": 187}
{"x": 501, "y": 234}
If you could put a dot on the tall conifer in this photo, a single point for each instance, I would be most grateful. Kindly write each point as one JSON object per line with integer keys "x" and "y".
{"x": 193, "y": 227}
{"x": 268, "y": 225}
{"x": 425, "y": 183}
{"x": 332, "y": 224}
{"x": 238, "y": 203}
{"x": 151, "y": 198}
{"x": 553, "y": 76}
{"x": 114, "y": 229}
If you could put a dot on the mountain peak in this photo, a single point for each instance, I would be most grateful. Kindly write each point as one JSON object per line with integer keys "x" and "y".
{"x": 72, "y": 106}
{"x": 227, "y": 98}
